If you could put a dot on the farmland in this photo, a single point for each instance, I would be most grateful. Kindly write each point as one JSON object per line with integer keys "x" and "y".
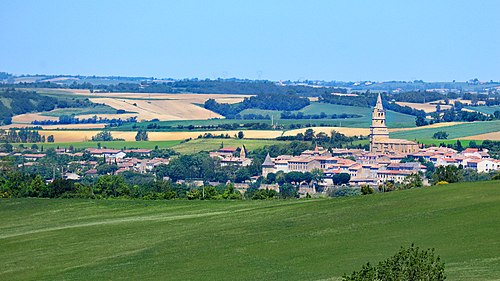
{"x": 394, "y": 119}
{"x": 145, "y": 106}
{"x": 86, "y": 135}
{"x": 248, "y": 240}
{"x": 192, "y": 146}
{"x": 484, "y": 109}
{"x": 455, "y": 131}
{"x": 110, "y": 144}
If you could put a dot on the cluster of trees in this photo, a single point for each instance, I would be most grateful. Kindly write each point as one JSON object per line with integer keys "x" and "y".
{"x": 251, "y": 116}
{"x": 200, "y": 166}
{"x": 214, "y": 136}
{"x": 105, "y": 136}
{"x": 23, "y": 135}
{"x": 18, "y": 184}
{"x": 71, "y": 119}
{"x": 322, "y": 115}
{"x": 268, "y": 101}
{"x": 334, "y": 139}
{"x": 408, "y": 264}
{"x": 441, "y": 135}
{"x": 141, "y": 135}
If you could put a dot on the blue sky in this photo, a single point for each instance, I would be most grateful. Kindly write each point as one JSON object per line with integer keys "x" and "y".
{"x": 276, "y": 40}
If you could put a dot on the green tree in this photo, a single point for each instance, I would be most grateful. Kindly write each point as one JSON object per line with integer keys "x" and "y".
{"x": 441, "y": 135}
{"x": 413, "y": 181}
{"x": 342, "y": 178}
{"x": 36, "y": 186}
{"x": 111, "y": 186}
{"x": 241, "y": 135}
{"x": 288, "y": 191}
{"x": 408, "y": 264}
{"x": 141, "y": 135}
{"x": 50, "y": 138}
{"x": 420, "y": 121}
{"x": 447, "y": 173}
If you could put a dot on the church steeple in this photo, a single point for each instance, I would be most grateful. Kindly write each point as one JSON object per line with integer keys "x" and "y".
{"x": 378, "y": 129}
{"x": 379, "y": 103}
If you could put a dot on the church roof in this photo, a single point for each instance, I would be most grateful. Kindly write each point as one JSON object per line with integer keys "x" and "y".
{"x": 268, "y": 161}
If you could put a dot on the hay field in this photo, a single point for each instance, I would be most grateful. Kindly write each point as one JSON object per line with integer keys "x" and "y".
{"x": 79, "y": 136}
{"x": 158, "y": 109}
{"x": 488, "y": 136}
{"x": 427, "y": 107}
{"x": 54, "y": 127}
{"x": 27, "y": 118}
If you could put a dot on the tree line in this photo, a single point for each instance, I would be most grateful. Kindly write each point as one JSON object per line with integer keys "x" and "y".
{"x": 267, "y": 101}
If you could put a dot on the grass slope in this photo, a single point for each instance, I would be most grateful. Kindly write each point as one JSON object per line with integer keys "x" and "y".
{"x": 455, "y": 131}
{"x": 394, "y": 119}
{"x": 247, "y": 240}
{"x": 485, "y": 109}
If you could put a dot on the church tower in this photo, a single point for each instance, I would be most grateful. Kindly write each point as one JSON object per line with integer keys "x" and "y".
{"x": 378, "y": 129}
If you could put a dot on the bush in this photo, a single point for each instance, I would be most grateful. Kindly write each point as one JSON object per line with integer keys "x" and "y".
{"x": 408, "y": 264}
{"x": 344, "y": 192}
{"x": 365, "y": 190}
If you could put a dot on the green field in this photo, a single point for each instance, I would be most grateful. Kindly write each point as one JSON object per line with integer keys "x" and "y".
{"x": 109, "y": 144}
{"x": 214, "y": 144}
{"x": 456, "y": 131}
{"x": 72, "y": 239}
{"x": 192, "y": 146}
{"x": 394, "y": 119}
{"x": 485, "y": 109}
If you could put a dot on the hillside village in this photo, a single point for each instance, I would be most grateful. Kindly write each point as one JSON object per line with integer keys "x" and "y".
{"x": 389, "y": 160}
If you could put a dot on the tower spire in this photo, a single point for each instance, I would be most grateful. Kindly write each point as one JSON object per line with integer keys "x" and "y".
{"x": 379, "y": 102}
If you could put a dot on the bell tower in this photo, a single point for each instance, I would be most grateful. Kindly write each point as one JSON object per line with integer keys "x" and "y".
{"x": 378, "y": 129}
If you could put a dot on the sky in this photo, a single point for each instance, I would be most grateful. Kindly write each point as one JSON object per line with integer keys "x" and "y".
{"x": 349, "y": 40}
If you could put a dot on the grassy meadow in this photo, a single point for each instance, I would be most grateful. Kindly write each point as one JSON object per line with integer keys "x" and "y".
{"x": 455, "y": 131}
{"x": 109, "y": 144}
{"x": 197, "y": 145}
{"x": 192, "y": 146}
{"x": 394, "y": 119}
{"x": 318, "y": 239}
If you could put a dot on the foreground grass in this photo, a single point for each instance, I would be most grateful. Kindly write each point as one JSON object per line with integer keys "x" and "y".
{"x": 247, "y": 240}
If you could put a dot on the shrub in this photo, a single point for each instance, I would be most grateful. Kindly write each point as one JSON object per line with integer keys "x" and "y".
{"x": 408, "y": 264}
{"x": 365, "y": 190}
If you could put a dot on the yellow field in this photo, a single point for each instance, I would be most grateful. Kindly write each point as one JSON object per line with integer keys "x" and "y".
{"x": 427, "y": 107}
{"x": 79, "y": 136}
{"x": 495, "y": 136}
{"x": 30, "y": 117}
{"x": 145, "y": 106}
{"x": 163, "y": 106}
{"x": 157, "y": 109}
{"x": 53, "y": 127}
